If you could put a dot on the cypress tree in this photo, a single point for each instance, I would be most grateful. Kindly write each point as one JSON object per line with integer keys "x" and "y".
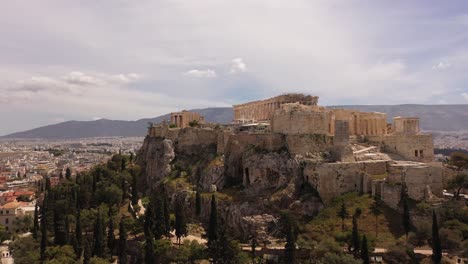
{"x": 110, "y": 234}
{"x": 61, "y": 176}
{"x": 68, "y": 174}
{"x": 159, "y": 216}
{"x": 99, "y": 235}
{"x": 122, "y": 243}
{"x": 364, "y": 251}
{"x": 123, "y": 186}
{"x": 375, "y": 210}
{"x": 213, "y": 223}
{"x": 167, "y": 215}
{"x": 135, "y": 197}
{"x": 36, "y": 221}
{"x": 343, "y": 214}
{"x": 253, "y": 246}
{"x": 59, "y": 228}
{"x": 131, "y": 157}
{"x": 291, "y": 237}
{"x": 43, "y": 229}
{"x": 406, "y": 217}
{"x": 180, "y": 220}
{"x": 67, "y": 230}
{"x": 436, "y": 245}
{"x": 150, "y": 257}
{"x": 78, "y": 235}
{"x": 122, "y": 164}
{"x": 87, "y": 252}
{"x": 47, "y": 185}
{"x": 197, "y": 203}
{"x": 355, "y": 241}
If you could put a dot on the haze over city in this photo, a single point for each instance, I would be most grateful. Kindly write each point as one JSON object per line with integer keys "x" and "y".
{"x": 85, "y": 60}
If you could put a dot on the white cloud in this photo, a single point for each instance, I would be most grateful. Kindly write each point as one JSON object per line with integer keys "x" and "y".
{"x": 127, "y": 78}
{"x": 465, "y": 95}
{"x": 208, "y": 73}
{"x": 79, "y": 78}
{"x": 441, "y": 66}
{"x": 238, "y": 65}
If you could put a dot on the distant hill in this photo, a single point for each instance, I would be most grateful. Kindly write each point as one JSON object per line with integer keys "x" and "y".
{"x": 433, "y": 117}
{"x": 113, "y": 128}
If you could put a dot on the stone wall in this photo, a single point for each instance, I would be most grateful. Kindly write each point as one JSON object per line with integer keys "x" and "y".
{"x": 341, "y": 133}
{"x": 410, "y": 147}
{"x": 363, "y": 123}
{"x": 301, "y": 144}
{"x": 297, "y": 119}
{"x": 418, "y": 178}
{"x": 333, "y": 179}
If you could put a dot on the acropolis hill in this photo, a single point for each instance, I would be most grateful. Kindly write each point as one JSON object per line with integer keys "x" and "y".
{"x": 275, "y": 147}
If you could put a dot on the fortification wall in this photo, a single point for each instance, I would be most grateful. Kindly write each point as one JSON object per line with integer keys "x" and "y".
{"x": 303, "y": 122}
{"x": 419, "y": 179}
{"x": 333, "y": 179}
{"x": 301, "y": 144}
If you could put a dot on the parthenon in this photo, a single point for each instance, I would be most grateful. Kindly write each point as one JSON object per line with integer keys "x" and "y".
{"x": 262, "y": 110}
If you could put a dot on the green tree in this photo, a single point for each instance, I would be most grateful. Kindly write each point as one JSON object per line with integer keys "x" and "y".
{"x": 98, "y": 235}
{"x": 122, "y": 243}
{"x": 68, "y": 174}
{"x": 180, "y": 220}
{"x": 43, "y": 228}
{"x": 458, "y": 183}
{"x": 87, "y": 252}
{"x": 355, "y": 239}
{"x": 167, "y": 215}
{"x": 333, "y": 258}
{"x": 343, "y": 214}
{"x": 406, "y": 211}
{"x": 436, "y": 244}
{"x": 60, "y": 255}
{"x": 135, "y": 197}
{"x": 78, "y": 235}
{"x": 459, "y": 160}
{"x": 364, "y": 251}
{"x": 197, "y": 203}
{"x": 150, "y": 256}
{"x": 36, "y": 221}
{"x": 110, "y": 233}
{"x": 290, "y": 227}
{"x": 213, "y": 222}
{"x": 375, "y": 211}
{"x": 25, "y": 250}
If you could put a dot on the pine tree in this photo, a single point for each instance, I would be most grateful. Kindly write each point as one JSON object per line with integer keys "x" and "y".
{"x": 343, "y": 214}
{"x": 180, "y": 220}
{"x": 36, "y": 221}
{"x": 213, "y": 223}
{"x": 68, "y": 174}
{"x": 436, "y": 245}
{"x": 110, "y": 233}
{"x": 122, "y": 243}
{"x": 99, "y": 235}
{"x": 375, "y": 210}
{"x": 197, "y": 203}
{"x": 364, "y": 251}
{"x": 78, "y": 235}
{"x": 355, "y": 241}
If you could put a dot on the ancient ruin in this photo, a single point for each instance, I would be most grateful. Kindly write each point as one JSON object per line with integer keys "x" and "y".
{"x": 333, "y": 151}
{"x": 183, "y": 119}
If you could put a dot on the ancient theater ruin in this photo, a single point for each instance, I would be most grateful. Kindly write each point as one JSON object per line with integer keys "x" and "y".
{"x": 274, "y": 142}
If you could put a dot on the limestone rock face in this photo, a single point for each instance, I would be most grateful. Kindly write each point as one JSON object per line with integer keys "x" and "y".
{"x": 268, "y": 171}
{"x": 156, "y": 156}
{"x": 213, "y": 174}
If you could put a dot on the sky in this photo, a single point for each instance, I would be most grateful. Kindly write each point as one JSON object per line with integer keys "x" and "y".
{"x": 122, "y": 59}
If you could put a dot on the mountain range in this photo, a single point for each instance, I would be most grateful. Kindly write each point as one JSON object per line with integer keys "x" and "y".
{"x": 433, "y": 118}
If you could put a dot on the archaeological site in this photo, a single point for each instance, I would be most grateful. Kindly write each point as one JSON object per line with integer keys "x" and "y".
{"x": 288, "y": 152}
